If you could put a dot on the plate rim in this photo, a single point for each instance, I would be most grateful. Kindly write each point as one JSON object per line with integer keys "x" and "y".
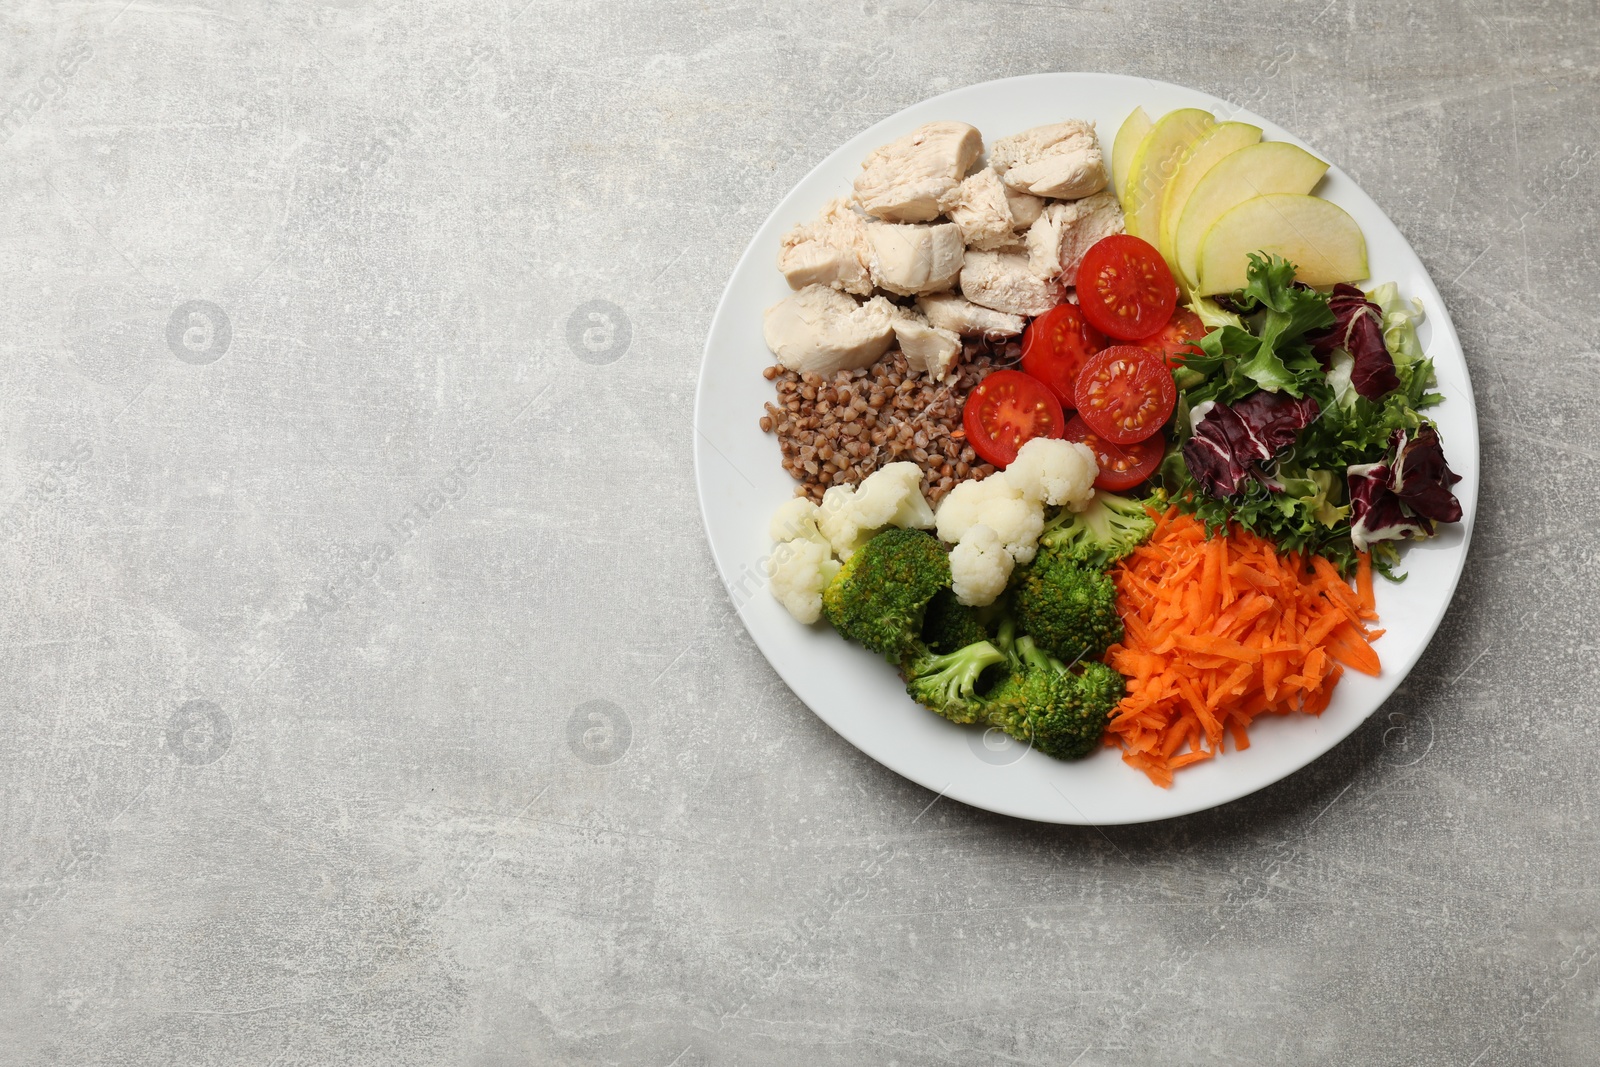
{"x": 1438, "y": 317}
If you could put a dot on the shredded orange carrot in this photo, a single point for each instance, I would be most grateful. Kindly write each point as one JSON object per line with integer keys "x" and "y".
{"x": 1364, "y": 586}
{"x": 1222, "y": 629}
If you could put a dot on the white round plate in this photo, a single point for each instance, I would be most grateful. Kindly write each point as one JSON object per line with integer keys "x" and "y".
{"x": 741, "y": 481}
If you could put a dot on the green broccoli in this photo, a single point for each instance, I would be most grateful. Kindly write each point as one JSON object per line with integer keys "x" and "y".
{"x": 1069, "y": 609}
{"x": 1005, "y": 635}
{"x": 1061, "y": 713}
{"x": 950, "y": 624}
{"x": 880, "y": 594}
{"x": 948, "y": 684}
{"x": 1037, "y": 699}
{"x": 1108, "y": 529}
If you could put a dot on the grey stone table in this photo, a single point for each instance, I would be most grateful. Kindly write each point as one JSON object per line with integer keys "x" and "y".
{"x": 370, "y": 695}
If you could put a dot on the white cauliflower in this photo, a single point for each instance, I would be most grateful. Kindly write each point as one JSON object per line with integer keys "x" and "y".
{"x": 889, "y": 496}
{"x": 800, "y": 570}
{"x": 795, "y": 517}
{"x": 980, "y": 567}
{"x": 1054, "y": 472}
{"x": 998, "y": 504}
{"x": 802, "y": 564}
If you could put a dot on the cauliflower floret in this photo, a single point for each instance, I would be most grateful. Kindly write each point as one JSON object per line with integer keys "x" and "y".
{"x": 800, "y": 570}
{"x": 998, "y": 504}
{"x": 1054, "y": 472}
{"x": 795, "y": 517}
{"x": 802, "y": 564}
{"x": 889, "y": 496}
{"x": 836, "y": 519}
{"x": 892, "y": 496}
{"x": 980, "y": 567}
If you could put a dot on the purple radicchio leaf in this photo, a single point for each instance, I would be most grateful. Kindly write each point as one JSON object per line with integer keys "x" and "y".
{"x": 1218, "y": 451}
{"x": 1275, "y": 419}
{"x": 1421, "y": 477}
{"x": 1405, "y": 495}
{"x": 1376, "y": 513}
{"x": 1228, "y": 441}
{"x": 1358, "y": 329}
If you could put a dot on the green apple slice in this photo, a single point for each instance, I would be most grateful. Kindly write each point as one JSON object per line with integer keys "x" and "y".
{"x": 1214, "y": 144}
{"x": 1319, "y": 238}
{"x": 1153, "y": 165}
{"x": 1269, "y": 167}
{"x": 1129, "y": 136}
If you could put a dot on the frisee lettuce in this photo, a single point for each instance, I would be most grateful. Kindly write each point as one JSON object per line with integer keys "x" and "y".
{"x": 1269, "y": 349}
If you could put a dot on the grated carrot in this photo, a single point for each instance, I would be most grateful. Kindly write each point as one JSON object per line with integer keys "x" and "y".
{"x": 1221, "y": 630}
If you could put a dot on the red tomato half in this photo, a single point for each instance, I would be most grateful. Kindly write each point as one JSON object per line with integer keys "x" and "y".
{"x": 1126, "y": 394}
{"x": 1055, "y": 347}
{"x": 1125, "y": 288}
{"x": 1121, "y": 466}
{"x": 1177, "y": 338}
{"x": 1006, "y": 409}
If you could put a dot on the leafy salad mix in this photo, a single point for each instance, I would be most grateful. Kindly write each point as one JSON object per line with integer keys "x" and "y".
{"x": 1308, "y": 425}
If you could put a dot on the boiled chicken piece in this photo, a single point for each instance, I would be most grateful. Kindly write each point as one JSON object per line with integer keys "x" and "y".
{"x": 821, "y": 330}
{"x": 904, "y": 180}
{"x": 1061, "y": 160}
{"x": 930, "y": 349}
{"x": 1057, "y": 242}
{"x": 1044, "y": 243}
{"x": 1025, "y": 208}
{"x": 980, "y": 206}
{"x": 953, "y": 312}
{"x": 830, "y": 250}
{"x": 907, "y": 258}
{"x": 1003, "y": 281}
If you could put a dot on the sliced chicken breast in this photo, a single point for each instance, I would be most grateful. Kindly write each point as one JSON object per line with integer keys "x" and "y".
{"x": 908, "y": 258}
{"x": 1061, "y": 160}
{"x": 980, "y": 206}
{"x": 1003, "y": 281}
{"x": 1025, "y": 208}
{"x": 953, "y": 312}
{"x": 821, "y": 330}
{"x": 831, "y": 250}
{"x": 928, "y": 348}
{"x": 1080, "y": 224}
{"x": 904, "y": 180}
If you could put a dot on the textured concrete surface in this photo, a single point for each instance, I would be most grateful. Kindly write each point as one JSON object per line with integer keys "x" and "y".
{"x": 369, "y": 693}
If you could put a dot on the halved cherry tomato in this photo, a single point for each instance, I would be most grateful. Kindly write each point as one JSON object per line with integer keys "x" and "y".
{"x": 1121, "y": 466}
{"x": 1055, "y": 347}
{"x": 1177, "y": 338}
{"x": 1006, "y": 409}
{"x": 1125, "y": 394}
{"x": 1125, "y": 288}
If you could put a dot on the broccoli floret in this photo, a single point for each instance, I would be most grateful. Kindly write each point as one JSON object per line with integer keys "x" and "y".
{"x": 1070, "y": 610}
{"x": 950, "y": 624}
{"x": 1037, "y": 699}
{"x": 948, "y": 684}
{"x": 1108, "y": 529}
{"x": 880, "y": 594}
{"x": 1061, "y": 713}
